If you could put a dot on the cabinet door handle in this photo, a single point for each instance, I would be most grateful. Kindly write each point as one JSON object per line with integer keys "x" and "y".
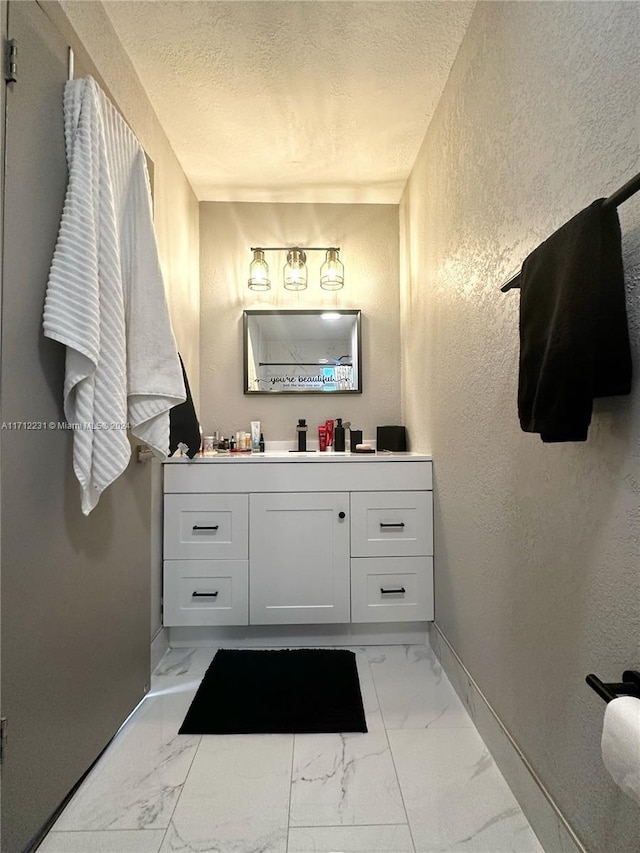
{"x": 400, "y": 591}
{"x": 197, "y": 594}
{"x": 393, "y": 524}
{"x": 342, "y": 515}
{"x": 204, "y": 527}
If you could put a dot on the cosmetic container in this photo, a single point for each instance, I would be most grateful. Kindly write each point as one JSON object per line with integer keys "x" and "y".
{"x": 208, "y": 448}
{"x": 329, "y": 425}
{"x": 255, "y": 435}
{"x": 322, "y": 437}
{"x": 338, "y": 436}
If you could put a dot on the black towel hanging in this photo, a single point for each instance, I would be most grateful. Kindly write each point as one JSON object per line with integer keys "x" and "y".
{"x": 616, "y": 198}
{"x": 574, "y": 340}
{"x": 184, "y": 427}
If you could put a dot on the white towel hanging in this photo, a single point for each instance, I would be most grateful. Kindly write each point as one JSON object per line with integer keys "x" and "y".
{"x": 621, "y": 744}
{"x": 105, "y": 297}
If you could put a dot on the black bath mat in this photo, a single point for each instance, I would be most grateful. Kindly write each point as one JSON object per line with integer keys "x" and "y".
{"x": 291, "y": 691}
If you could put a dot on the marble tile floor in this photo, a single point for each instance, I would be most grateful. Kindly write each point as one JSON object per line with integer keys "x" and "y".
{"x": 420, "y": 781}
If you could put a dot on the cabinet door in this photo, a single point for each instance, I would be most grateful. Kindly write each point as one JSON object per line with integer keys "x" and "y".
{"x": 299, "y": 558}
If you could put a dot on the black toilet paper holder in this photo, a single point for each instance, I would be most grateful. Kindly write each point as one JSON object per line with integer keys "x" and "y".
{"x": 629, "y": 686}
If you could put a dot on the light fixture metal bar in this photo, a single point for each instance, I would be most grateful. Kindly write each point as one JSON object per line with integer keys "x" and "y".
{"x": 295, "y": 248}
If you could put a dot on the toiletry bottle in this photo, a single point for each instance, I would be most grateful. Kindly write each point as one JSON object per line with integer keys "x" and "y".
{"x": 232, "y": 444}
{"x": 322, "y": 437}
{"x": 329, "y": 426}
{"x": 355, "y": 438}
{"x": 302, "y": 435}
{"x": 255, "y": 435}
{"x": 261, "y": 443}
{"x": 338, "y": 437}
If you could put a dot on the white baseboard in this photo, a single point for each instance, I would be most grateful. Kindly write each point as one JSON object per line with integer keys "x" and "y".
{"x": 159, "y": 646}
{"x": 410, "y": 633}
{"x": 546, "y": 819}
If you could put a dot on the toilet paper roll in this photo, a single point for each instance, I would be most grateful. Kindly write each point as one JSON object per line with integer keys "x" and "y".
{"x": 621, "y": 744}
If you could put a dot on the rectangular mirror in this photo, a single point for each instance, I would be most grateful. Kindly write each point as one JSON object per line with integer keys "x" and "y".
{"x": 302, "y": 352}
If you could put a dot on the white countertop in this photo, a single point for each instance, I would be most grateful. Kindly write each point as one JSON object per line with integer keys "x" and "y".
{"x": 290, "y": 456}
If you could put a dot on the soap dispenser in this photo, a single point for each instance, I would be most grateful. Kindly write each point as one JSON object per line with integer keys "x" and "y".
{"x": 301, "y": 429}
{"x": 338, "y": 436}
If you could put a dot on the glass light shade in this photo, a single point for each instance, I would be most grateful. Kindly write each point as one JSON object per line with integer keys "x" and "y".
{"x": 259, "y": 272}
{"x": 332, "y": 271}
{"x": 295, "y": 270}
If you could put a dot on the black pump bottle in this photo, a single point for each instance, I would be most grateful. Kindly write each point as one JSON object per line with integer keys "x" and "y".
{"x": 302, "y": 435}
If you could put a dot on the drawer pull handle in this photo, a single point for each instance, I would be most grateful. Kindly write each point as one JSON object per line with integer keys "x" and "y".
{"x": 342, "y": 515}
{"x": 394, "y": 524}
{"x": 204, "y": 527}
{"x": 197, "y": 594}
{"x": 400, "y": 591}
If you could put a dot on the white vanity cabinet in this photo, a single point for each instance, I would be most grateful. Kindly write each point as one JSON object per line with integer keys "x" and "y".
{"x": 276, "y": 540}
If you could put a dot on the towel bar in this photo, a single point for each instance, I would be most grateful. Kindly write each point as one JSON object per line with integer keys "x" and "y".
{"x": 630, "y": 686}
{"x": 616, "y": 198}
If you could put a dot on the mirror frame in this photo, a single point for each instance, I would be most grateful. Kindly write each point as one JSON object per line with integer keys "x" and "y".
{"x": 246, "y": 315}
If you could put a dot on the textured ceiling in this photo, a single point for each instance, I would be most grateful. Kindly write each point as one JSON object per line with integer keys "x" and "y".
{"x": 289, "y": 100}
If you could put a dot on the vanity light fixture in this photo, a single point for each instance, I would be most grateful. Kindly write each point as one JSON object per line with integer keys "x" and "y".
{"x": 332, "y": 271}
{"x": 295, "y": 269}
{"x": 259, "y": 272}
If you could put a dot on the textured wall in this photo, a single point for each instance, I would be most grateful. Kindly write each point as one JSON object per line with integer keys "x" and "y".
{"x": 368, "y": 237}
{"x": 537, "y": 546}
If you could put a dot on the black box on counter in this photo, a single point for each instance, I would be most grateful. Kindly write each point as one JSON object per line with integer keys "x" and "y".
{"x": 391, "y": 438}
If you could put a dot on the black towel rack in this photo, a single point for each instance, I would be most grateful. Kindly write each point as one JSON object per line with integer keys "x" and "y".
{"x": 630, "y": 686}
{"x": 616, "y": 198}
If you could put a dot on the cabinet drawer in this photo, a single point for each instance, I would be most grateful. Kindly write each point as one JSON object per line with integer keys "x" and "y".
{"x": 206, "y": 592}
{"x": 391, "y": 524}
{"x": 206, "y": 527}
{"x": 384, "y": 589}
